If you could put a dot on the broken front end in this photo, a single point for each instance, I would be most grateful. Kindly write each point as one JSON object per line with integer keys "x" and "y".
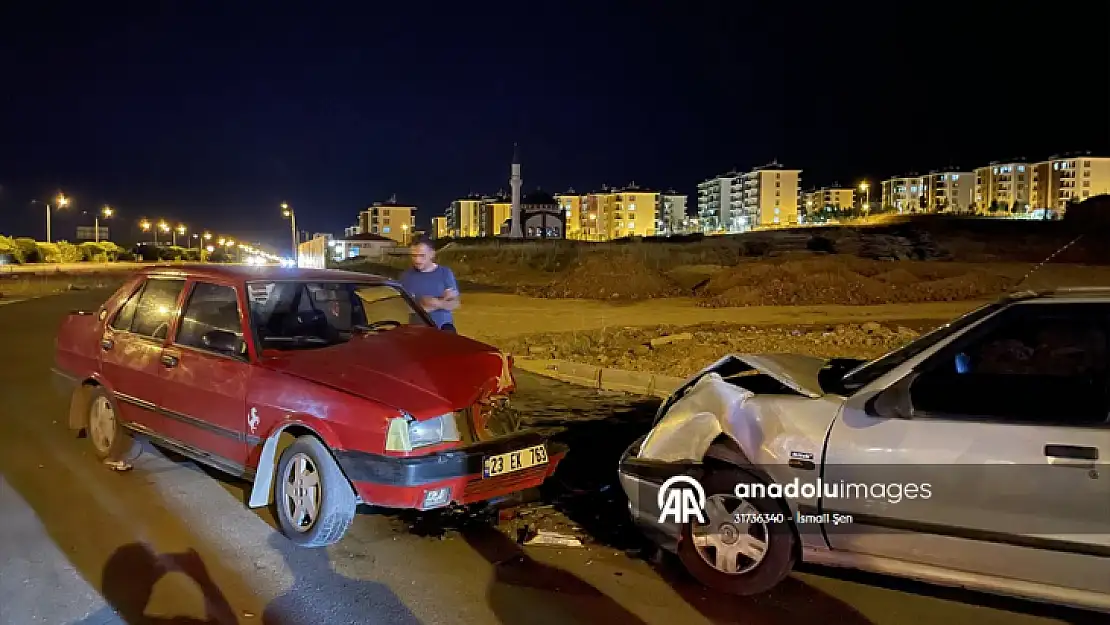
{"x": 751, "y": 411}
{"x": 482, "y": 454}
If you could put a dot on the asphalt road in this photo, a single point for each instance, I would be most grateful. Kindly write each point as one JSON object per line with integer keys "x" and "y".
{"x": 171, "y": 543}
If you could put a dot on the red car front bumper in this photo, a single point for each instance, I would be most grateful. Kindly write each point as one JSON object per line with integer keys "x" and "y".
{"x": 413, "y": 482}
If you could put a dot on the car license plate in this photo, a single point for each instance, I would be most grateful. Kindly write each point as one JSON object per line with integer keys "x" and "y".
{"x": 514, "y": 461}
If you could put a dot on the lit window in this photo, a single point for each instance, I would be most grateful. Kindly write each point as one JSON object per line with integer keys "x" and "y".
{"x": 996, "y": 170}
{"x": 631, "y": 225}
{"x": 631, "y": 207}
{"x": 1021, "y": 168}
{"x": 955, "y": 176}
{"x": 385, "y": 229}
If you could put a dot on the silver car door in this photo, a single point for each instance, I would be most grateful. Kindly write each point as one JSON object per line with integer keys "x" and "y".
{"x": 996, "y": 448}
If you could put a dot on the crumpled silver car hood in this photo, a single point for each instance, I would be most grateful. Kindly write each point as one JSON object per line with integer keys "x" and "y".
{"x": 796, "y": 371}
{"x": 770, "y": 425}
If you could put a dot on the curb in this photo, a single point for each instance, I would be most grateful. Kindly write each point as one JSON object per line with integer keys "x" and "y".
{"x": 602, "y": 378}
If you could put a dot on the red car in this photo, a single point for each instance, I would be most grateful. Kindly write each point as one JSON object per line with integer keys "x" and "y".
{"x": 324, "y": 388}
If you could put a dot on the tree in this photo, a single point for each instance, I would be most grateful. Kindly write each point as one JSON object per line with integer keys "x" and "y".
{"x": 29, "y": 250}
{"x": 8, "y": 246}
{"x": 47, "y": 252}
{"x": 68, "y": 252}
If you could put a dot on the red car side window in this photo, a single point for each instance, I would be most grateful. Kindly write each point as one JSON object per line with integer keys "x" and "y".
{"x": 126, "y": 312}
{"x": 157, "y": 306}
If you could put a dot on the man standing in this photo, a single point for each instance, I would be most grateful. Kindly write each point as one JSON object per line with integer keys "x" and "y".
{"x": 432, "y": 286}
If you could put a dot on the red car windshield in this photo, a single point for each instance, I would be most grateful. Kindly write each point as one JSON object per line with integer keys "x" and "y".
{"x": 299, "y": 315}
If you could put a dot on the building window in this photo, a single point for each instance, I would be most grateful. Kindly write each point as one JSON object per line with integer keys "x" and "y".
{"x": 1021, "y": 168}
{"x": 385, "y": 229}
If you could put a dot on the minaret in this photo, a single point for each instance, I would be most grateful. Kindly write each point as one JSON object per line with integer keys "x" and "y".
{"x": 517, "y": 232}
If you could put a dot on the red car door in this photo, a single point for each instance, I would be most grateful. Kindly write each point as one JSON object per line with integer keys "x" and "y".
{"x": 131, "y": 351}
{"x": 204, "y": 376}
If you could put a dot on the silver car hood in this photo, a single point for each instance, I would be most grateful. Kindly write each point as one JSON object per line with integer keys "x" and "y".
{"x": 795, "y": 371}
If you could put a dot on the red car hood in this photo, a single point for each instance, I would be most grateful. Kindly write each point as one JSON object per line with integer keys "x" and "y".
{"x": 423, "y": 371}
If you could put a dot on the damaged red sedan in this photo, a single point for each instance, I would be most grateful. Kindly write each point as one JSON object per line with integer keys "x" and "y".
{"x": 326, "y": 389}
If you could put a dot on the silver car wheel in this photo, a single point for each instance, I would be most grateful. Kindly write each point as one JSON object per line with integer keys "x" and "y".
{"x": 728, "y": 542}
{"x": 102, "y": 424}
{"x": 301, "y": 493}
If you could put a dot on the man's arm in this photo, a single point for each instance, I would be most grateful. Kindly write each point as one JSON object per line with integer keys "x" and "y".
{"x": 451, "y": 297}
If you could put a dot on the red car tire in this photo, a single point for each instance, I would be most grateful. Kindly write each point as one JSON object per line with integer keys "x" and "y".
{"x": 315, "y": 502}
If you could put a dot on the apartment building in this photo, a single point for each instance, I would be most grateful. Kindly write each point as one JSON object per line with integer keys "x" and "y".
{"x": 478, "y": 216}
{"x": 769, "y": 198}
{"x": 1062, "y": 179}
{"x": 625, "y": 212}
{"x": 439, "y": 227}
{"x": 905, "y": 194}
{"x": 1003, "y": 187}
{"x": 670, "y": 215}
{"x": 835, "y": 199}
{"x": 391, "y": 220}
{"x": 949, "y": 191}
{"x": 719, "y": 199}
{"x": 574, "y": 207}
{"x": 496, "y": 210}
{"x": 464, "y": 217}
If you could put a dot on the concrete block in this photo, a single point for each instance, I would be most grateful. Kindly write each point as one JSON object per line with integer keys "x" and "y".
{"x": 637, "y": 382}
{"x": 572, "y": 372}
{"x": 664, "y": 385}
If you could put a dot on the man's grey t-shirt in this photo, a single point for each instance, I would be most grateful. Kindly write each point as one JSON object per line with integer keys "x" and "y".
{"x": 431, "y": 284}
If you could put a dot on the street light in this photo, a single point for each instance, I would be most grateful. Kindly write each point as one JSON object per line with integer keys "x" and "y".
{"x": 61, "y": 202}
{"x": 180, "y": 229}
{"x": 866, "y": 188}
{"x": 404, "y": 234}
{"x": 106, "y": 212}
{"x": 288, "y": 212}
{"x": 146, "y": 226}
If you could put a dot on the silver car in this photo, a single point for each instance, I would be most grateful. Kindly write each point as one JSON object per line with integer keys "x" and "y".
{"x": 974, "y": 456}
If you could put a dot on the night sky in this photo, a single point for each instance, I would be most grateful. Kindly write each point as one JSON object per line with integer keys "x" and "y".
{"x": 213, "y": 116}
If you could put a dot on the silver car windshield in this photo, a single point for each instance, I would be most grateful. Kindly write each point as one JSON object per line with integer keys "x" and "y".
{"x": 294, "y": 314}
{"x": 875, "y": 369}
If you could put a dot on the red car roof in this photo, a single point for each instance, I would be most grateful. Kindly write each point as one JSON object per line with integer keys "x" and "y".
{"x": 246, "y": 273}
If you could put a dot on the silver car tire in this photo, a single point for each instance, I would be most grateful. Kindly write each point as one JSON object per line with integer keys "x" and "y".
{"x": 756, "y": 568}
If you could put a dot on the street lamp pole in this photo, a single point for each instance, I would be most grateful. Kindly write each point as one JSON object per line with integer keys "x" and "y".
{"x": 62, "y": 201}
{"x": 288, "y": 212}
{"x": 107, "y": 212}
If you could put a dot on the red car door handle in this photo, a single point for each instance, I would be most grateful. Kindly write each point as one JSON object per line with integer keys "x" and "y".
{"x": 107, "y": 344}
{"x": 169, "y": 361}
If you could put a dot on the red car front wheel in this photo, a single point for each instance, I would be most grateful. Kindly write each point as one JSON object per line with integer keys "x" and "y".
{"x": 315, "y": 502}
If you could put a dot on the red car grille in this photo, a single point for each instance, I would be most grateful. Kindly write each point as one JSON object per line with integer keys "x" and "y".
{"x": 511, "y": 482}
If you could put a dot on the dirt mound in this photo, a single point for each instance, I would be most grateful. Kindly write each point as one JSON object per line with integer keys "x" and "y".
{"x": 969, "y": 286}
{"x": 898, "y": 276}
{"x": 597, "y": 276}
{"x": 795, "y": 282}
{"x": 853, "y": 281}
